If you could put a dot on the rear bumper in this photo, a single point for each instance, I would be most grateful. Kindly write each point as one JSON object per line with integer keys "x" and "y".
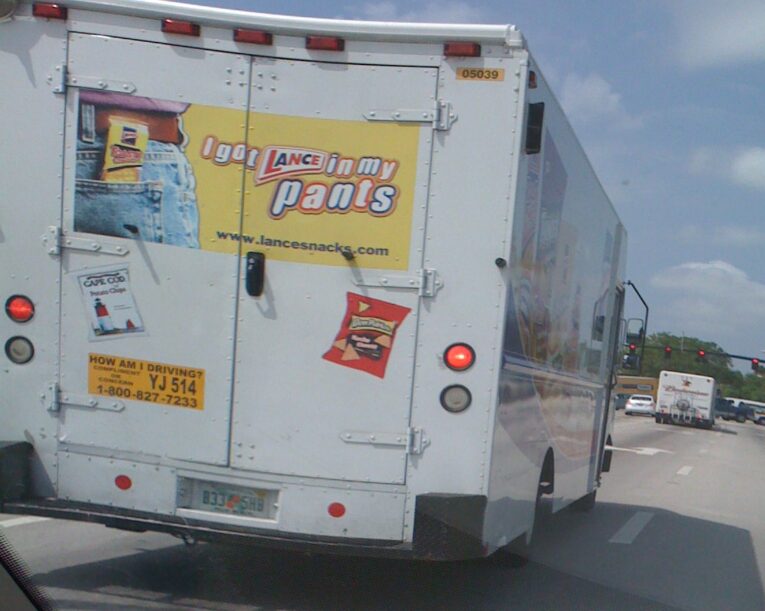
{"x": 137, "y": 521}
{"x": 447, "y": 527}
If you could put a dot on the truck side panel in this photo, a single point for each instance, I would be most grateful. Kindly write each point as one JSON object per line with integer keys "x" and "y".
{"x": 32, "y": 54}
{"x": 564, "y": 263}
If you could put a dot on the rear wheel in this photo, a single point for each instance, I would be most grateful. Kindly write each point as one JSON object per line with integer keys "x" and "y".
{"x": 516, "y": 554}
{"x": 658, "y": 419}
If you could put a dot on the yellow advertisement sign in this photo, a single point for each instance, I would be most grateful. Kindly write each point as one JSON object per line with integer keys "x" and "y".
{"x": 312, "y": 190}
{"x": 135, "y": 380}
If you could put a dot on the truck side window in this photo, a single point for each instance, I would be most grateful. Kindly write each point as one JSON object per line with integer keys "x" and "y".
{"x": 534, "y": 121}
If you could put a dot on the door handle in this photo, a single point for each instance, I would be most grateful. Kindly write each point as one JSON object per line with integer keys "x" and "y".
{"x": 256, "y": 273}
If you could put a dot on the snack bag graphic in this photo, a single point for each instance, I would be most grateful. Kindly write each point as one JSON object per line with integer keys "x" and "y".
{"x": 366, "y": 334}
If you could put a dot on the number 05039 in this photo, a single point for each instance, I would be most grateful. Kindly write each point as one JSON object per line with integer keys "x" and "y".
{"x": 480, "y": 74}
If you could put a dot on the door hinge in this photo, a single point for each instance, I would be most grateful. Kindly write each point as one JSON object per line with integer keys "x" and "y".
{"x": 414, "y": 440}
{"x": 441, "y": 116}
{"x": 54, "y": 399}
{"x": 57, "y": 79}
{"x": 417, "y": 442}
{"x": 55, "y": 240}
{"x": 426, "y": 282}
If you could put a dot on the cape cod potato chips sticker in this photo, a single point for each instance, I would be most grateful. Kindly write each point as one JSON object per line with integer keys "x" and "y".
{"x": 366, "y": 334}
{"x": 109, "y": 302}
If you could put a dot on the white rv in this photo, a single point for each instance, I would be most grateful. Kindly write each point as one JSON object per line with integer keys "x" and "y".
{"x": 335, "y": 285}
{"x": 686, "y": 398}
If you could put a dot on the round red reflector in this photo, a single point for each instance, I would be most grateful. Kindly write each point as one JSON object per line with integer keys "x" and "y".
{"x": 459, "y": 357}
{"x": 19, "y": 308}
{"x": 123, "y": 482}
{"x": 336, "y": 510}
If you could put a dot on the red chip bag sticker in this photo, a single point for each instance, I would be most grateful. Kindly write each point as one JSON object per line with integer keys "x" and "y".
{"x": 366, "y": 334}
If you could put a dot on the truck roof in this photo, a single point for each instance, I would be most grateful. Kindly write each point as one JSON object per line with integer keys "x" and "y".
{"x": 507, "y": 35}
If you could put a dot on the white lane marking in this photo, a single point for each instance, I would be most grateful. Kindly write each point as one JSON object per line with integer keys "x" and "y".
{"x": 641, "y": 451}
{"x": 631, "y": 529}
{"x": 21, "y": 521}
{"x": 685, "y": 470}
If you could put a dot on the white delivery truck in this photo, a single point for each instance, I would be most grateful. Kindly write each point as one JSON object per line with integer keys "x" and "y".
{"x": 335, "y": 285}
{"x": 686, "y": 398}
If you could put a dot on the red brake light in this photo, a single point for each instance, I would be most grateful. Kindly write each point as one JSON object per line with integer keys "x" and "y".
{"x": 19, "y": 308}
{"x": 462, "y": 49}
{"x": 324, "y": 43}
{"x": 336, "y": 510}
{"x": 49, "y": 11}
{"x": 185, "y": 28}
{"x": 255, "y": 37}
{"x": 123, "y": 482}
{"x": 459, "y": 357}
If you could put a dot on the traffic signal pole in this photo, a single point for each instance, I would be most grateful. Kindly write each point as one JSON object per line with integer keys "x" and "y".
{"x": 645, "y": 326}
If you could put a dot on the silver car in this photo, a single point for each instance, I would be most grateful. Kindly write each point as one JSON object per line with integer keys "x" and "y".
{"x": 640, "y": 404}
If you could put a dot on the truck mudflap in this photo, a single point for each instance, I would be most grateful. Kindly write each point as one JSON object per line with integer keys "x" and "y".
{"x": 446, "y": 527}
{"x": 449, "y": 526}
{"x": 15, "y": 457}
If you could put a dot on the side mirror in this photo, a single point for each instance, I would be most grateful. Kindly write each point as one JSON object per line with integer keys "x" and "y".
{"x": 635, "y": 331}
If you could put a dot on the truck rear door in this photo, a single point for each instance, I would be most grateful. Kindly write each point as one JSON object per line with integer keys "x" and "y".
{"x": 333, "y": 232}
{"x": 148, "y": 295}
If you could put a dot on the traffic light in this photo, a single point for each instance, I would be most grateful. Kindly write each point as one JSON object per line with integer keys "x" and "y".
{"x": 701, "y": 355}
{"x": 667, "y": 352}
{"x": 755, "y": 364}
{"x": 632, "y": 347}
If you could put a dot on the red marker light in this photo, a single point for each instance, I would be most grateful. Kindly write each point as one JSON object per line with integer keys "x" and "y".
{"x": 324, "y": 43}
{"x": 184, "y": 28}
{"x": 19, "y": 308}
{"x": 336, "y": 510}
{"x": 123, "y": 482}
{"x": 49, "y": 11}
{"x": 459, "y": 357}
{"x": 255, "y": 37}
{"x": 462, "y": 49}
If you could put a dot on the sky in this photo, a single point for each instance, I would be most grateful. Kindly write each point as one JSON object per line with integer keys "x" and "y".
{"x": 667, "y": 99}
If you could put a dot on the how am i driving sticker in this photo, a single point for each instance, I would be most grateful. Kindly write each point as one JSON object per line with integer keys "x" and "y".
{"x": 147, "y": 381}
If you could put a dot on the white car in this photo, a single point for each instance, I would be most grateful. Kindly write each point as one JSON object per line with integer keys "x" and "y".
{"x": 640, "y": 404}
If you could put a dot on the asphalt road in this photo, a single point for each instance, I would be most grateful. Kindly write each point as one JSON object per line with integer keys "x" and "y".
{"x": 679, "y": 524}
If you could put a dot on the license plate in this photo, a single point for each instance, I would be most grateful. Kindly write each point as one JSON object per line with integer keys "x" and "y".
{"x": 233, "y": 500}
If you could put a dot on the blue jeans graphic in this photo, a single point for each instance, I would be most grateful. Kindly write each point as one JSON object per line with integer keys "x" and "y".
{"x": 162, "y": 207}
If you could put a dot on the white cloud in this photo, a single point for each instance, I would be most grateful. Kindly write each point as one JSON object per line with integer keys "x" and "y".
{"x": 713, "y": 33}
{"x": 432, "y": 12}
{"x": 748, "y": 168}
{"x": 740, "y": 236}
{"x": 743, "y": 167}
{"x": 591, "y": 98}
{"x": 736, "y": 236}
{"x": 715, "y": 301}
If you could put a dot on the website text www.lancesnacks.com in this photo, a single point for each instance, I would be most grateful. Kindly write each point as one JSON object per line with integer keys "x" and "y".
{"x": 263, "y": 240}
